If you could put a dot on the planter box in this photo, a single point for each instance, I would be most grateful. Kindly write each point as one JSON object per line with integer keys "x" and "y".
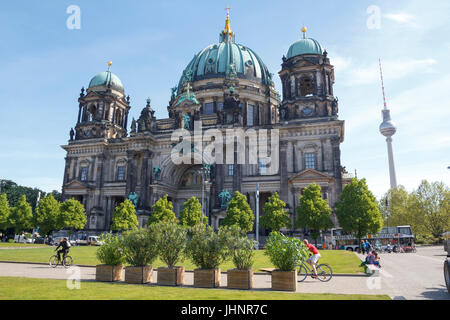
{"x": 170, "y": 277}
{"x": 284, "y": 280}
{"x": 107, "y": 273}
{"x": 207, "y": 278}
{"x": 240, "y": 279}
{"x": 138, "y": 275}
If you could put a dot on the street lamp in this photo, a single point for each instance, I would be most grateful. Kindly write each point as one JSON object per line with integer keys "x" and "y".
{"x": 203, "y": 172}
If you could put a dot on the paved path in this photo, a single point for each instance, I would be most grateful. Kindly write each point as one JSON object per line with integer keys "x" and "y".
{"x": 414, "y": 275}
{"x": 338, "y": 285}
{"x": 403, "y": 276}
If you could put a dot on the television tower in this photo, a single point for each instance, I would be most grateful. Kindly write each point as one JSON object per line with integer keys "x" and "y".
{"x": 388, "y": 129}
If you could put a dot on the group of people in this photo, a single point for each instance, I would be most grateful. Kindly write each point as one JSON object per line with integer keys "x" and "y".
{"x": 372, "y": 255}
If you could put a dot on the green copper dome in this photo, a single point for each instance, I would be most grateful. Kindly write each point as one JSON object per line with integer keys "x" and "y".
{"x": 106, "y": 79}
{"x": 304, "y": 46}
{"x": 226, "y": 59}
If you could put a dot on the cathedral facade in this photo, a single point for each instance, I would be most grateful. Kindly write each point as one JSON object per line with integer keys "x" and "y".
{"x": 226, "y": 86}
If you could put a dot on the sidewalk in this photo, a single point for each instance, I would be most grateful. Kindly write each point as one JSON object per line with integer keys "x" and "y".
{"x": 337, "y": 285}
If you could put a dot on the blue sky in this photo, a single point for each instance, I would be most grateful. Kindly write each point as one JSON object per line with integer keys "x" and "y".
{"x": 43, "y": 66}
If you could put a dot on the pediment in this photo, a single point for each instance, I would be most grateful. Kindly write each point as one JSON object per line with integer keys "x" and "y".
{"x": 76, "y": 184}
{"x": 310, "y": 175}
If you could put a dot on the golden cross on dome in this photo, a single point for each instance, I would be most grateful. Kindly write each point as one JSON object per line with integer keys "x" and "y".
{"x": 227, "y": 22}
{"x": 109, "y": 65}
{"x": 188, "y": 88}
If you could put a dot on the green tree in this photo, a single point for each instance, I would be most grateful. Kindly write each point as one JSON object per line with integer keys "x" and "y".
{"x": 5, "y": 211}
{"x": 162, "y": 210}
{"x": 432, "y": 201}
{"x": 313, "y": 211}
{"x": 21, "y": 216}
{"x": 358, "y": 211}
{"x": 47, "y": 213}
{"x": 239, "y": 213}
{"x": 275, "y": 216}
{"x": 192, "y": 214}
{"x": 72, "y": 216}
{"x": 124, "y": 217}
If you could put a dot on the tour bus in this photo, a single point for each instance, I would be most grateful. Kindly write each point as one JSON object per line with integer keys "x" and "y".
{"x": 399, "y": 236}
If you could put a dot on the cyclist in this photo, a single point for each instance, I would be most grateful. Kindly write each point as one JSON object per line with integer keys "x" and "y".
{"x": 65, "y": 246}
{"x": 312, "y": 261}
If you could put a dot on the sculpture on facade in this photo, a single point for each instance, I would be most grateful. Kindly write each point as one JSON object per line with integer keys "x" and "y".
{"x": 133, "y": 197}
{"x": 224, "y": 197}
{"x": 157, "y": 173}
{"x": 187, "y": 121}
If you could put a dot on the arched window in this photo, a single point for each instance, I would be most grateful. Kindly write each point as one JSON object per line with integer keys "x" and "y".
{"x": 306, "y": 86}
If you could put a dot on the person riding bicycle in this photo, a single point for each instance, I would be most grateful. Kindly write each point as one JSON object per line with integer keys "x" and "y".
{"x": 314, "y": 258}
{"x": 65, "y": 246}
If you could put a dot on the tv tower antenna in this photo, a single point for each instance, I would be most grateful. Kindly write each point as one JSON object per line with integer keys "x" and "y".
{"x": 388, "y": 129}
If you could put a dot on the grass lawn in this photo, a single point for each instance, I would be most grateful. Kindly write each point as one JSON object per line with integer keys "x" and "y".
{"x": 341, "y": 261}
{"x": 12, "y": 288}
{"x": 24, "y": 245}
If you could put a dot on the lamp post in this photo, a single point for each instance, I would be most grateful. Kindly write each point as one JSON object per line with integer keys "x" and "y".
{"x": 203, "y": 173}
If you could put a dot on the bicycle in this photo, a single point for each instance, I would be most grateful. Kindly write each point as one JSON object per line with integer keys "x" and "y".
{"x": 54, "y": 261}
{"x": 324, "y": 272}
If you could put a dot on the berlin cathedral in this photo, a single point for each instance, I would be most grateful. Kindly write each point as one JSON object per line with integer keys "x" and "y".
{"x": 111, "y": 158}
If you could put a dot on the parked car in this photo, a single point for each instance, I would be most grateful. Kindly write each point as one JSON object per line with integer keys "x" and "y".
{"x": 94, "y": 241}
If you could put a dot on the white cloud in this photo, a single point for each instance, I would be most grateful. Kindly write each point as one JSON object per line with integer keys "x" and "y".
{"x": 402, "y": 17}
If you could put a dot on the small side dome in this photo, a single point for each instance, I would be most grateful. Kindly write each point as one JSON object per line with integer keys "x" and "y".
{"x": 305, "y": 46}
{"x": 106, "y": 79}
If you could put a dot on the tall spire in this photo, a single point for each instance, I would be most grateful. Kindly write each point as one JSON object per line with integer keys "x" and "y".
{"x": 388, "y": 129}
{"x": 227, "y": 34}
{"x": 382, "y": 85}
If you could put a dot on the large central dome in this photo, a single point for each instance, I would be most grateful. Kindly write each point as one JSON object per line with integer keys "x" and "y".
{"x": 226, "y": 58}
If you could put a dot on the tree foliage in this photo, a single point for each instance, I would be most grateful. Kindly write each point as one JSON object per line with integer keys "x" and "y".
{"x": 111, "y": 251}
{"x": 139, "y": 248}
{"x": 357, "y": 210}
{"x": 285, "y": 253}
{"x": 170, "y": 239}
{"x": 239, "y": 213}
{"x": 47, "y": 215}
{"x": 207, "y": 249}
{"x": 275, "y": 216}
{"x": 72, "y": 216}
{"x": 5, "y": 211}
{"x": 426, "y": 209}
{"x": 21, "y": 216}
{"x": 124, "y": 217}
{"x": 162, "y": 210}
{"x": 192, "y": 214}
{"x": 313, "y": 211}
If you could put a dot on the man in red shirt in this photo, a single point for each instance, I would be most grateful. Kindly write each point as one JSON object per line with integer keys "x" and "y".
{"x": 314, "y": 258}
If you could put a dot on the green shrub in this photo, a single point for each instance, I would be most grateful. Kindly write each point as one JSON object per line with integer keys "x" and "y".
{"x": 241, "y": 247}
{"x": 170, "y": 239}
{"x": 207, "y": 248}
{"x": 285, "y": 252}
{"x": 111, "y": 251}
{"x": 139, "y": 248}
{"x": 10, "y": 240}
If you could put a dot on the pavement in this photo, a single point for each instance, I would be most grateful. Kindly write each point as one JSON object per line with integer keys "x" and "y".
{"x": 403, "y": 276}
{"x": 413, "y": 276}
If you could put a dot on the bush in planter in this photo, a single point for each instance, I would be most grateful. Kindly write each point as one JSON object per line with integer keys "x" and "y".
{"x": 170, "y": 239}
{"x": 242, "y": 252}
{"x": 140, "y": 250}
{"x": 285, "y": 253}
{"x": 111, "y": 254}
{"x": 207, "y": 249}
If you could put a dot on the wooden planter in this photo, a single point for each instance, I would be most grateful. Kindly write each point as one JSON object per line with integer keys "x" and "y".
{"x": 138, "y": 275}
{"x": 107, "y": 273}
{"x": 207, "y": 278}
{"x": 170, "y": 277}
{"x": 284, "y": 280}
{"x": 240, "y": 279}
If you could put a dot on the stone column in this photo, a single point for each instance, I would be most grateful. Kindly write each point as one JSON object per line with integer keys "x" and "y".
{"x": 131, "y": 173}
{"x": 337, "y": 165}
{"x": 283, "y": 172}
